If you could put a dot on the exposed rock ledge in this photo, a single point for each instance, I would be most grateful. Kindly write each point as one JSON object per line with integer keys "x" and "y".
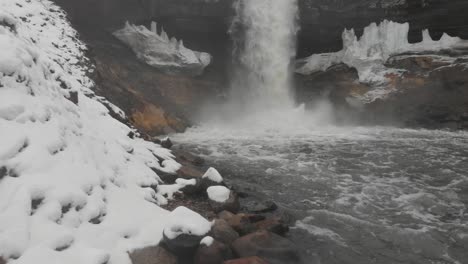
{"x": 385, "y": 79}
{"x": 157, "y": 50}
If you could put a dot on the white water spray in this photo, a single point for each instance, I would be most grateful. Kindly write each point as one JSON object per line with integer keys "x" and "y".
{"x": 265, "y": 35}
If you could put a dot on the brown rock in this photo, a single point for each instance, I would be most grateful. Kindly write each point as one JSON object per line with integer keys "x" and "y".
{"x": 223, "y": 232}
{"x": 216, "y": 253}
{"x": 249, "y": 260}
{"x": 232, "y": 204}
{"x": 273, "y": 224}
{"x": 242, "y": 223}
{"x": 189, "y": 171}
{"x": 267, "y": 245}
{"x": 151, "y": 255}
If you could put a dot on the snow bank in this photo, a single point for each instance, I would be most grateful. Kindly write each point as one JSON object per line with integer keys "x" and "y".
{"x": 74, "y": 188}
{"x": 369, "y": 53}
{"x": 184, "y": 221}
{"x": 218, "y": 194}
{"x": 213, "y": 175}
{"x": 157, "y": 50}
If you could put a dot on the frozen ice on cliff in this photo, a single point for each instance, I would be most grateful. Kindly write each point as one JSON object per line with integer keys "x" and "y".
{"x": 157, "y": 50}
{"x": 369, "y": 53}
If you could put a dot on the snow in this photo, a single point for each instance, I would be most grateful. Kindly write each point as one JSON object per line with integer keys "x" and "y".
{"x": 77, "y": 189}
{"x": 369, "y": 53}
{"x": 184, "y": 221}
{"x": 207, "y": 241}
{"x": 218, "y": 194}
{"x": 213, "y": 175}
{"x": 157, "y": 50}
{"x": 169, "y": 190}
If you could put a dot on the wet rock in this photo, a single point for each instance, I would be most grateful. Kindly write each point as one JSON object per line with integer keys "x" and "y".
{"x": 166, "y": 143}
{"x": 184, "y": 231}
{"x": 189, "y": 171}
{"x": 215, "y": 253}
{"x": 248, "y": 260}
{"x": 183, "y": 245}
{"x": 73, "y": 97}
{"x": 274, "y": 224}
{"x": 267, "y": 245}
{"x": 189, "y": 157}
{"x": 223, "y": 232}
{"x": 192, "y": 189}
{"x": 241, "y": 223}
{"x": 231, "y": 204}
{"x": 257, "y": 206}
{"x": 150, "y": 255}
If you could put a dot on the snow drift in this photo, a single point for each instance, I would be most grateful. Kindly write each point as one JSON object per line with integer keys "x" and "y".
{"x": 369, "y": 53}
{"x": 75, "y": 185}
{"x": 157, "y": 50}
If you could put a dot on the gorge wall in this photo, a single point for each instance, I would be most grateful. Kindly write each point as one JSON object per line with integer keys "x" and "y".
{"x": 204, "y": 25}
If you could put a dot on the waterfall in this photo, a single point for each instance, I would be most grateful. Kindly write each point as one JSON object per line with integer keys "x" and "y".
{"x": 264, "y": 34}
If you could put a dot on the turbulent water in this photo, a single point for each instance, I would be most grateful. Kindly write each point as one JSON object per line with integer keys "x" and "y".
{"x": 264, "y": 33}
{"x": 359, "y": 195}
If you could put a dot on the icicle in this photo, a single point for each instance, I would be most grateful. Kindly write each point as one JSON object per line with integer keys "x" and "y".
{"x": 154, "y": 27}
{"x": 174, "y": 43}
{"x": 426, "y": 36}
{"x": 164, "y": 35}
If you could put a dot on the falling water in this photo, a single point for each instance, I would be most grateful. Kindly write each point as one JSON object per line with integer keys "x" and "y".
{"x": 264, "y": 32}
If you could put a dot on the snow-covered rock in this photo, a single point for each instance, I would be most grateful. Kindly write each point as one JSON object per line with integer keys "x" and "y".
{"x": 74, "y": 186}
{"x": 184, "y": 221}
{"x": 369, "y": 53}
{"x": 157, "y": 50}
{"x": 218, "y": 194}
{"x": 213, "y": 175}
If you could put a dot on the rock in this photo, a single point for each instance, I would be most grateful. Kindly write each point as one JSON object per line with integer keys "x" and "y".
{"x": 257, "y": 206}
{"x": 151, "y": 255}
{"x": 215, "y": 253}
{"x": 241, "y": 223}
{"x": 189, "y": 171}
{"x": 189, "y": 157}
{"x": 267, "y": 245}
{"x": 166, "y": 143}
{"x": 248, "y": 260}
{"x": 223, "y": 232}
{"x": 211, "y": 178}
{"x": 274, "y": 225}
{"x": 222, "y": 199}
{"x": 184, "y": 231}
{"x": 157, "y": 50}
{"x": 192, "y": 189}
{"x": 73, "y": 97}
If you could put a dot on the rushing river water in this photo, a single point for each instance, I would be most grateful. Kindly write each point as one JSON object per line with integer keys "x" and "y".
{"x": 359, "y": 195}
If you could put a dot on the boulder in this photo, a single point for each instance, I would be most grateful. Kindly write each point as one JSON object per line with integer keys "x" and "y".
{"x": 248, "y": 260}
{"x": 242, "y": 223}
{"x": 166, "y": 143}
{"x": 215, "y": 253}
{"x": 150, "y": 255}
{"x": 267, "y": 245}
{"x": 273, "y": 224}
{"x": 211, "y": 178}
{"x": 259, "y": 206}
{"x": 222, "y": 199}
{"x": 184, "y": 231}
{"x": 223, "y": 232}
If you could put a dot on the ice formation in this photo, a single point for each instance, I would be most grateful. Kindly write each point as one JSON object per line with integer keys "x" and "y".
{"x": 164, "y": 53}
{"x": 218, "y": 194}
{"x": 369, "y": 53}
{"x": 74, "y": 186}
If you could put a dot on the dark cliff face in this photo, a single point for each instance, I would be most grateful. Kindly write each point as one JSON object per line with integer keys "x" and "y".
{"x": 322, "y": 21}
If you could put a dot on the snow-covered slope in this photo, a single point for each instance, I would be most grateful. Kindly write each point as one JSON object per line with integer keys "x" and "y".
{"x": 369, "y": 53}
{"x": 75, "y": 186}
